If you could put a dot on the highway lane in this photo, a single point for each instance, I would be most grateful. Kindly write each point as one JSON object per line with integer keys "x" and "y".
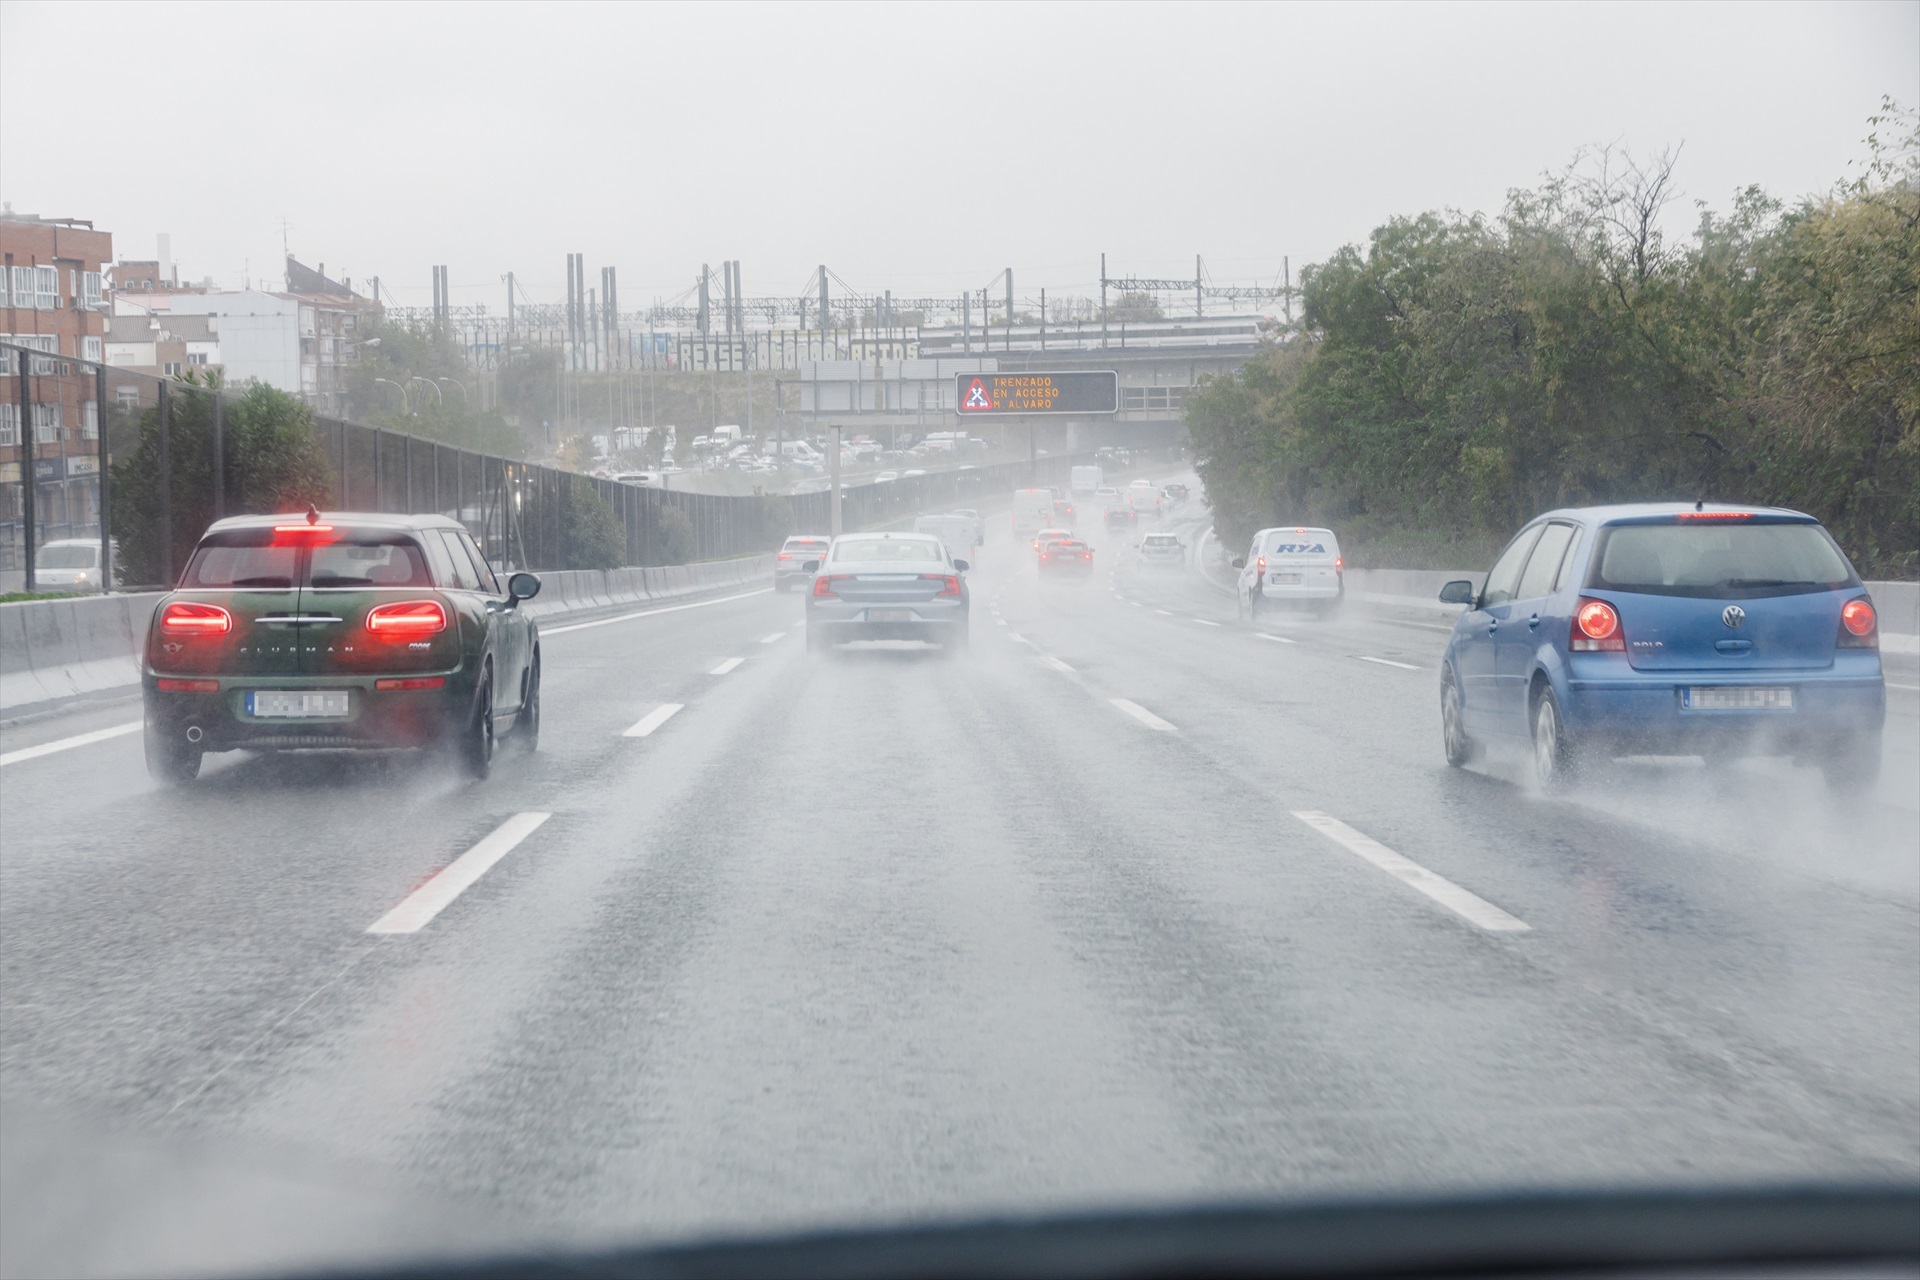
{"x": 885, "y": 936}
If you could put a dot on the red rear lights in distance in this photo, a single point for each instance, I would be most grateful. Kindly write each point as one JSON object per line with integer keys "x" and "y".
{"x": 1596, "y": 627}
{"x": 949, "y": 585}
{"x": 1859, "y": 626}
{"x": 407, "y": 619}
{"x": 165, "y": 685}
{"x": 397, "y": 683}
{"x": 823, "y": 585}
{"x": 185, "y": 618}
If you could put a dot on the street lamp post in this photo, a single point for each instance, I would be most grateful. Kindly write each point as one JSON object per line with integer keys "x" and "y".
{"x": 406, "y": 407}
{"x": 437, "y": 397}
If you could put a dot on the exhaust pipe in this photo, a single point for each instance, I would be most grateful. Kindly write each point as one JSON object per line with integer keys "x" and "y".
{"x": 194, "y": 735}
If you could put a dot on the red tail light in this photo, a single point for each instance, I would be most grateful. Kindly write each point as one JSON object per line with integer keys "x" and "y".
{"x": 823, "y": 585}
{"x": 303, "y": 528}
{"x": 949, "y": 585}
{"x": 1086, "y": 555}
{"x": 407, "y": 620}
{"x": 1260, "y": 565}
{"x": 1596, "y": 627}
{"x": 1340, "y": 564}
{"x": 184, "y": 619}
{"x": 410, "y": 682}
{"x": 785, "y": 556}
{"x": 1859, "y": 626}
{"x": 187, "y": 686}
{"x": 1715, "y": 515}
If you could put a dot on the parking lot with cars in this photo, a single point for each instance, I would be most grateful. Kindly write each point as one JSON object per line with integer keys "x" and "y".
{"x": 1200, "y": 891}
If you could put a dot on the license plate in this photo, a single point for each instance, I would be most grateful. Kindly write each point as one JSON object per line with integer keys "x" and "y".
{"x": 1747, "y": 698}
{"x": 279, "y": 704}
{"x": 889, "y": 615}
{"x": 1285, "y": 579}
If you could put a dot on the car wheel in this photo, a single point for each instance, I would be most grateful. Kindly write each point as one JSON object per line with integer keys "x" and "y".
{"x": 1453, "y": 723}
{"x": 1253, "y": 605}
{"x": 817, "y": 643}
{"x": 1556, "y": 761}
{"x": 474, "y": 747}
{"x": 1853, "y": 766}
{"x": 526, "y": 726}
{"x": 171, "y": 760}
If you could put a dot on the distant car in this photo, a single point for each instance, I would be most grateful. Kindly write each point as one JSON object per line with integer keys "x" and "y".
{"x": 1046, "y": 537}
{"x": 1175, "y": 491}
{"x": 1298, "y": 566}
{"x": 68, "y": 562}
{"x": 344, "y": 630}
{"x": 1032, "y": 511}
{"x": 794, "y": 553}
{"x": 1063, "y": 511}
{"x": 888, "y": 586}
{"x": 1663, "y": 628}
{"x": 1121, "y": 516}
{"x": 1145, "y": 498}
{"x": 1163, "y": 550}
{"x": 1106, "y": 496}
{"x": 1066, "y": 556}
{"x": 882, "y": 477}
{"x": 955, "y": 531}
{"x": 979, "y": 524}
{"x": 913, "y": 471}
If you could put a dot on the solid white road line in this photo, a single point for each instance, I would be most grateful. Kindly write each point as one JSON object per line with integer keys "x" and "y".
{"x": 1268, "y": 635}
{"x": 68, "y": 744}
{"x": 648, "y": 613}
{"x": 1387, "y": 662}
{"x": 1143, "y": 715}
{"x": 1904, "y": 688}
{"x": 1439, "y": 888}
{"x": 653, "y": 719}
{"x": 1206, "y": 622}
{"x": 776, "y": 636}
{"x": 433, "y": 897}
{"x": 726, "y": 666}
{"x": 1056, "y": 664}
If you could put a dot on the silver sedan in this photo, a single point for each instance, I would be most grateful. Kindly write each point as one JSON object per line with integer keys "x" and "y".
{"x": 888, "y": 586}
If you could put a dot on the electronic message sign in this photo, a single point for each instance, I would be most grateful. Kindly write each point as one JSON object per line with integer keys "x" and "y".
{"x": 1071, "y": 391}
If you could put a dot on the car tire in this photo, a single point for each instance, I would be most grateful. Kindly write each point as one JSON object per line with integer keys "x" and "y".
{"x": 1253, "y": 605}
{"x": 1459, "y": 745}
{"x": 171, "y": 760}
{"x": 473, "y": 748}
{"x": 526, "y": 726}
{"x": 1852, "y": 768}
{"x": 817, "y": 643}
{"x": 1556, "y": 757}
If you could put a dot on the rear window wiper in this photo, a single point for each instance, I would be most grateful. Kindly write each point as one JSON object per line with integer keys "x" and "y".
{"x": 1769, "y": 582}
{"x": 261, "y": 582}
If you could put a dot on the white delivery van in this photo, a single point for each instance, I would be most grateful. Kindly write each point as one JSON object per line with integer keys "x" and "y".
{"x": 1032, "y": 511}
{"x": 1085, "y": 479}
{"x": 954, "y": 530}
{"x": 1297, "y": 566}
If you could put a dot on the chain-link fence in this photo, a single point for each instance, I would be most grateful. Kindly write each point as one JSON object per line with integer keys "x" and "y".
{"x": 164, "y": 457}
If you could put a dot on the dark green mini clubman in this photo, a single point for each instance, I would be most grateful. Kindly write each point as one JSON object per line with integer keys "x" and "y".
{"x": 340, "y": 630}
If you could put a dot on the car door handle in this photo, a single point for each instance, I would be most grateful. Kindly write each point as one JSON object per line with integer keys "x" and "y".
{"x": 1533, "y": 622}
{"x": 1493, "y": 625}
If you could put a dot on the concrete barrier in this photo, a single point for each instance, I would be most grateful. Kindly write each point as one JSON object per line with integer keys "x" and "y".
{"x": 56, "y": 651}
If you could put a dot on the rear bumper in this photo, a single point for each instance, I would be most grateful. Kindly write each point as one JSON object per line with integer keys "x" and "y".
{"x": 376, "y": 719}
{"x": 1300, "y": 591}
{"x": 1645, "y": 713}
{"x": 845, "y": 624}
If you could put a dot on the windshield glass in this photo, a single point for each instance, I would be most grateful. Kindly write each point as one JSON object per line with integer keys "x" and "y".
{"x": 67, "y": 557}
{"x": 1719, "y": 560}
{"x": 875, "y": 549}
{"x": 368, "y": 564}
{"x": 260, "y": 565}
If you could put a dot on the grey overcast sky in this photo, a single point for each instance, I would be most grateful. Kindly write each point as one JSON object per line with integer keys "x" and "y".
{"x": 914, "y": 147}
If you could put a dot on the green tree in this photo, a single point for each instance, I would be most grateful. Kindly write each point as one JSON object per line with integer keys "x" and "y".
{"x": 595, "y": 537}
{"x": 273, "y": 461}
{"x": 677, "y": 544}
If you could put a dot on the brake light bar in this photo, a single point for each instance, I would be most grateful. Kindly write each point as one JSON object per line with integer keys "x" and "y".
{"x": 184, "y": 618}
{"x": 303, "y": 528}
{"x": 407, "y": 620}
{"x": 1596, "y": 628}
{"x": 410, "y": 682}
{"x": 1715, "y": 515}
{"x": 165, "y": 685}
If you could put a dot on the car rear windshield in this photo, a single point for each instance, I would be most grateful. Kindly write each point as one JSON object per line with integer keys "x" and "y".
{"x": 1719, "y": 560}
{"x": 853, "y": 549}
{"x": 250, "y": 558}
{"x": 805, "y": 544}
{"x": 1160, "y": 540}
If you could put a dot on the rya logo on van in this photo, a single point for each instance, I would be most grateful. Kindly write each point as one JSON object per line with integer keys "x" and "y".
{"x": 1300, "y": 549}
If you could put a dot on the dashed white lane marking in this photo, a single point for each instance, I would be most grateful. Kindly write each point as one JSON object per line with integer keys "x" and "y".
{"x": 999, "y": 622}
{"x": 1165, "y": 613}
{"x": 68, "y": 744}
{"x": 726, "y": 666}
{"x": 1141, "y": 714}
{"x": 1206, "y": 622}
{"x": 1056, "y": 664}
{"x": 1268, "y": 635}
{"x": 1442, "y": 890}
{"x": 648, "y": 613}
{"x": 654, "y": 719}
{"x": 776, "y": 636}
{"x": 1017, "y": 638}
{"x": 1387, "y": 662}
{"x": 433, "y": 897}
{"x": 1904, "y": 688}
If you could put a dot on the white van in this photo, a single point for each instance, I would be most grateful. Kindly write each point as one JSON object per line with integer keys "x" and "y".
{"x": 1085, "y": 479}
{"x": 955, "y": 531}
{"x": 1032, "y": 511}
{"x": 1294, "y": 565}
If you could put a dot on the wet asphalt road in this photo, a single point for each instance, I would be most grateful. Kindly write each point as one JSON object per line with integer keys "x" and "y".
{"x": 884, "y": 936}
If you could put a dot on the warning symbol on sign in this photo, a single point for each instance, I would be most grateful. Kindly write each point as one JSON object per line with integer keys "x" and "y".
{"x": 977, "y": 396}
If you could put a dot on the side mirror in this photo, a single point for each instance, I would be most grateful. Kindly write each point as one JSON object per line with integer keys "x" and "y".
{"x": 962, "y": 565}
{"x": 1239, "y": 562}
{"x": 1459, "y": 591}
{"x": 811, "y": 566}
{"x": 523, "y": 586}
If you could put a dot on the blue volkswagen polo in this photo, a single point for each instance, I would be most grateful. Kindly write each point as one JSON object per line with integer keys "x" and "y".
{"x": 1668, "y": 629}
